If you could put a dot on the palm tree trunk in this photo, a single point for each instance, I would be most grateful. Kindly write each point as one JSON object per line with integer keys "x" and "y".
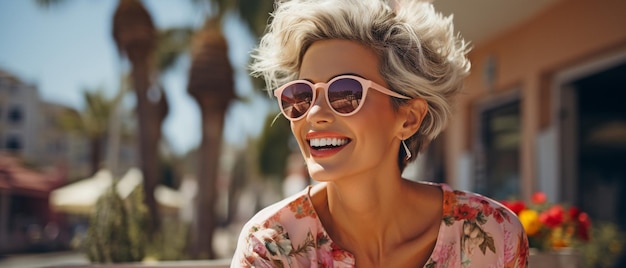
{"x": 135, "y": 35}
{"x": 209, "y": 155}
{"x": 211, "y": 84}
{"x": 237, "y": 181}
{"x": 149, "y": 135}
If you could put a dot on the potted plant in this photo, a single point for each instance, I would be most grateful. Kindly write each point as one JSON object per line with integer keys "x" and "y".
{"x": 555, "y": 231}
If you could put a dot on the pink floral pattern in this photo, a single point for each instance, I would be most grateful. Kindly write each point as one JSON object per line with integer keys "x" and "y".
{"x": 475, "y": 232}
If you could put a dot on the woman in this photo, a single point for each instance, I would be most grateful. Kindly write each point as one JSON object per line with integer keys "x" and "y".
{"x": 365, "y": 85}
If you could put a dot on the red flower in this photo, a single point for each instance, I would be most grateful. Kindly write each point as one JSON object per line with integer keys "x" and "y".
{"x": 487, "y": 208}
{"x": 574, "y": 212}
{"x": 516, "y": 206}
{"x": 449, "y": 203}
{"x": 552, "y": 217}
{"x": 465, "y": 212}
{"x": 539, "y": 198}
{"x": 338, "y": 253}
{"x": 584, "y": 224}
{"x": 558, "y": 227}
{"x": 500, "y": 215}
{"x": 302, "y": 208}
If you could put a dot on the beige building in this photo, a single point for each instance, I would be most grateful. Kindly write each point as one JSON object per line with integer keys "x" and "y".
{"x": 544, "y": 108}
{"x": 19, "y": 120}
{"x": 29, "y": 129}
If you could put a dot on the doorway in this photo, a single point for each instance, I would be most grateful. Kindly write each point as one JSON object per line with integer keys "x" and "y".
{"x": 599, "y": 159}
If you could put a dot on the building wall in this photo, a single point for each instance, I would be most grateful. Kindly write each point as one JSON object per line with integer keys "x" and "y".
{"x": 526, "y": 59}
{"x": 19, "y": 120}
{"x": 66, "y": 150}
{"x": 41, "y": 139}
{"x": 44, "y": 142}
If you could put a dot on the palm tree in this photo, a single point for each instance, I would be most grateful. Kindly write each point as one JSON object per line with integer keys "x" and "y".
{"x": 212, "y": 86}
{"x": 92, "y": 123}
{"x": 136, "y": 38}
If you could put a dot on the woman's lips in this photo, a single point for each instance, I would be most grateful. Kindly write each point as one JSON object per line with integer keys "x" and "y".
{"x": 325, "y": 144}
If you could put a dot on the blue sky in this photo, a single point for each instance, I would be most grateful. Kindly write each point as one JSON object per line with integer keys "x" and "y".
{"x": 67, "y": 48}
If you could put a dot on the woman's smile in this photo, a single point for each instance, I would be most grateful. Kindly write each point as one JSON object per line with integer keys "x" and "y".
{"x": 324, "y": 144}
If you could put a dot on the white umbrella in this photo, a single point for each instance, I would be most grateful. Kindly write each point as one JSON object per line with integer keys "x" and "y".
{"x": 166, "y": 197}
{"x": 131, "y": 180}
{"x": 81, "y": 197}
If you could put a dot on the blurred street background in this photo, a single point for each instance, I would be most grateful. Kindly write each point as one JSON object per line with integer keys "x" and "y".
{"x": 131, "y": 131}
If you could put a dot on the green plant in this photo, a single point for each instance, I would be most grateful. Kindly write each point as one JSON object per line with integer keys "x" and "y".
{"x": 606, "y": 247}
{"x": 117, "y": 232}
{"x": 170, "y": 243}
{"x": 109, "y": 238}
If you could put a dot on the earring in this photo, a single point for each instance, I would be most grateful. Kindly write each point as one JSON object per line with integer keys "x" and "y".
{"x": 406, "y": 149}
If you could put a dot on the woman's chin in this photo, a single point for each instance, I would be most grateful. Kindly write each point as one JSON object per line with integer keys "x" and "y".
{"x": 319, "y": 173}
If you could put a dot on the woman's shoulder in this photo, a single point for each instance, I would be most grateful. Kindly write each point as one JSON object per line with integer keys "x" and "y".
{"x": 280, "y": 206}
{"x": 293, "y": 210}
{"x": 484, "y": 229}
{"x": 282, "y": 234}
{"x": 459, "y": 205}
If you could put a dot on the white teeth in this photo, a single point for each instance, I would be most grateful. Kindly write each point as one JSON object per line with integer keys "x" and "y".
{"x": 321, "y": 142}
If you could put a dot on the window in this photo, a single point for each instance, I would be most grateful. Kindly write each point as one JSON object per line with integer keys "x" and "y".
{"x": 16, "y": 115}
{"x": 14, "y": 143}
{"x": 498, "y": 170}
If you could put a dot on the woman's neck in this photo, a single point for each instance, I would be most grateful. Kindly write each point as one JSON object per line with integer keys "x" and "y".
{"x": 375, "y": 218}
{"x": 364, "y": 208}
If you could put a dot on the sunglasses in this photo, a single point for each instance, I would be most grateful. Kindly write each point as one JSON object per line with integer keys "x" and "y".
{"x": 344, "y": 95}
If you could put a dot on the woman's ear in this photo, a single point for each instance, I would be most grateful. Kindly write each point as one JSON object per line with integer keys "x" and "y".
{"x": 413, "y": 113}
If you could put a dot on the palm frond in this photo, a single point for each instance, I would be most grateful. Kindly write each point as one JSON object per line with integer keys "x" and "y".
{"x": 171, "y": 44}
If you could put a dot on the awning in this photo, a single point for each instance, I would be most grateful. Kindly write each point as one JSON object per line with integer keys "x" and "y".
{"x": 17, "y": 179}
{"x": 81, "y": 197}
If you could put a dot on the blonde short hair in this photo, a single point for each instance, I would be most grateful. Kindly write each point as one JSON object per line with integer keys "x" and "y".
{"x": 420, "y": 54}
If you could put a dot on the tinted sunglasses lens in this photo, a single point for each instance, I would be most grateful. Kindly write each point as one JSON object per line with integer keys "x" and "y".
{"x": 345, "y": 95}
{"x": 296, "y": 99}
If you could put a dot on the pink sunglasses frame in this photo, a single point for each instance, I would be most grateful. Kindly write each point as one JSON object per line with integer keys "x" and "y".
{"x": 365, "y": 85}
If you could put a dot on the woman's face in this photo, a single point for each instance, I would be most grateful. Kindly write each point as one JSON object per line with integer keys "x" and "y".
{"x": 367, "y": 141}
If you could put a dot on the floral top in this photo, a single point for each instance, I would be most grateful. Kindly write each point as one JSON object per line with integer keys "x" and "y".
{"x": 475, "y": 232}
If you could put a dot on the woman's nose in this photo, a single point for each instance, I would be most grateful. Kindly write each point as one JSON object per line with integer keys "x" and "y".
{"x": 320, "y": 112}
